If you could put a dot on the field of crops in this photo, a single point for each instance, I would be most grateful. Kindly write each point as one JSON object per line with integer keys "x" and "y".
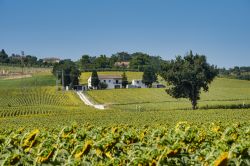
{"x": 140, "y": 127}
{"x": 43, "y": 100}
{"x": 34, "y": 102}
{"x": 183, "y": 144}
{"x": 36, "y": 96}
{"x": 222, "y": 92}
{"x": 25, "y": 70}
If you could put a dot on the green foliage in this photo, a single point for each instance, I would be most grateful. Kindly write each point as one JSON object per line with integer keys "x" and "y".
{"x": 242, "y": 73}
{"x": 138, "y": 61}
{"x": 149, "y": 76}
{"x": 187, "y": 76}
{"x": 183, "y": 144}
{"x": 102, "y": 85}
{"x": 124, "y": 80}
{"x": 94, "y": 79}
{"x": 85, "y": 62}
{"x": 21, "y": 60}
{"x": 67, "y": 72}
{"x": 101, "y": 62}
{"x": 3, "y": 56}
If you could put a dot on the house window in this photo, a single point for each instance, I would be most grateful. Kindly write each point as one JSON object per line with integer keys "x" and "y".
{"x": 104, "y": 80}
{"x": 116, "y": 81}
{"x": 137, "y": 82}
{"x": 109, "y": 80}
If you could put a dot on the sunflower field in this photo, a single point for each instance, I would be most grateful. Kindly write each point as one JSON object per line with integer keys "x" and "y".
{"x": 182, "y": 144}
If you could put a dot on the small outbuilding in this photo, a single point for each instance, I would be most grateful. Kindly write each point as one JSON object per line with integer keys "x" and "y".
{"x": 138, "y": 84}
{"x": 80, "y": 87}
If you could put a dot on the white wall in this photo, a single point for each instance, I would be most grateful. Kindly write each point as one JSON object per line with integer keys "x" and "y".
{"x": 110, "y": 82}
{"x": 138, "y": 83}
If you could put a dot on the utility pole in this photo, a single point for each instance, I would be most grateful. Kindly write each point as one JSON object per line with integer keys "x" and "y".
{"x": 22, "y": 55}
{"x": 56, "y": 81}
{"x": 62, "y": 79}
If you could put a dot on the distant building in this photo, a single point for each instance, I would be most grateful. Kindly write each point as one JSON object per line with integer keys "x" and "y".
{"x": 138, "y": 84}
{"x": 51, "y": 60}
{"x": 80, "y": 87}
{"x": 122, "y": 64}
{"x": 112, "y": 81}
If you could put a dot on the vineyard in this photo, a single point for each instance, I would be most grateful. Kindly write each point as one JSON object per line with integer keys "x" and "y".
{"x": 183, "y": 144}
{"x": 45, "y": 100}
{"x": 34, "y": 102}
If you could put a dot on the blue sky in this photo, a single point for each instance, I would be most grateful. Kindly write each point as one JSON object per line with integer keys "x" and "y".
{"x": 220, "y": 29}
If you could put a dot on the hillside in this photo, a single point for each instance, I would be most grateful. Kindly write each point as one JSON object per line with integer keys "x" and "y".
{"x": 36, "y": 96}
{"x": 34, "y": 102}
{"x": 222, "y": 92}
{"x": 13, "y": 72}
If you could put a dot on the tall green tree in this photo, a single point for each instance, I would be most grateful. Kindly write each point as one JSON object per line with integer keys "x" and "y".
{"x": 187, "y": 76}
{"x": 124, "y": 80}
{"x": 102, "y": 62}
{"x": 67, "y": 72}
{"x": 139, "y": 61}
{"x": 3, "y": 56}
{"x": 149, "y": 76}
{"x": 94, "y": 79}
{"x": 123, "y": 56}
{"x": 85, "y": 62}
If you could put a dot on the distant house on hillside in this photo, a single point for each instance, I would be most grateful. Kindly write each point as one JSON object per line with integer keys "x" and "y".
{"x": 122, "y": 64}
{"x": 51, "y": 60}
{"x": 112, "y": 81}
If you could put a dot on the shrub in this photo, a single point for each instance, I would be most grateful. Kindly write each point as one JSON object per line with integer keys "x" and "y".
{"x": 103, "y": 85}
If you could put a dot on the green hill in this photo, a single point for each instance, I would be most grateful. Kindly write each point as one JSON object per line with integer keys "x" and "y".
{"x": 222, "y": 92}
{"x": 34, "y": 102}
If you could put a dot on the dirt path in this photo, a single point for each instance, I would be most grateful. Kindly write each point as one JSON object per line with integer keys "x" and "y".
{"x": 12, "y": 77}
{"x": 88, "y": 102}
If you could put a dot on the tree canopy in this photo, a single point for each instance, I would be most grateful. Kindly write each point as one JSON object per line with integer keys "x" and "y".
{"x": 67, "y": 72}
{"x": 149, "y": 76}
{"x": 187, "y": 76}
{"x": 3, "y": 56}
{"x": 138, "y": 61}
{"x": 124, "y": 80}
{"x": 94, "y": 79}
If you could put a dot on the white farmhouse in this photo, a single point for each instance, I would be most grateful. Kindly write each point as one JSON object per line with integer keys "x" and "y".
{"x": 112, "y": 81}
{"x": 138, "y": 84}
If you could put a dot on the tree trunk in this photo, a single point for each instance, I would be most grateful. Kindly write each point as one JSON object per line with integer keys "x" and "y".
{"x": 194, "y": 103}
{"x": 194, "y": 99}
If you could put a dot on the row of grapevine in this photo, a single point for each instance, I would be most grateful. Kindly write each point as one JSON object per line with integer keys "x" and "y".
{"x": 183, "y": 144}
{"x": 37, "y": 96}
{"x": 33, "y": 110}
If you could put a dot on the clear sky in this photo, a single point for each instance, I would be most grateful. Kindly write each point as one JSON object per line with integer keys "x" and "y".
{"x": 220, "y": 29}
